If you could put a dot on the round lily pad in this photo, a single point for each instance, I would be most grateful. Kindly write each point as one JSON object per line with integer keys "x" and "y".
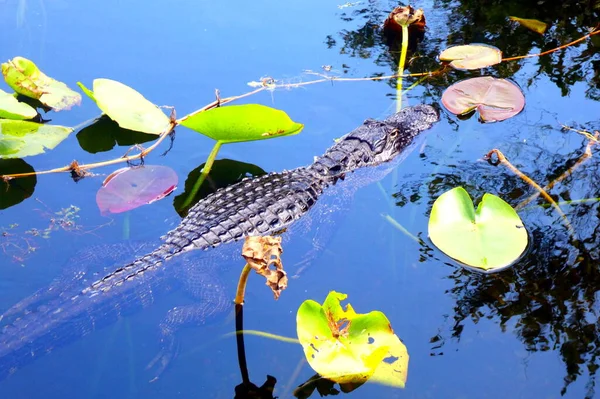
{"x": 495, "y": 99}
{"x": 129, "y": 188}
{"x": 489, "y": 239}
{"x": 471, "y": 56}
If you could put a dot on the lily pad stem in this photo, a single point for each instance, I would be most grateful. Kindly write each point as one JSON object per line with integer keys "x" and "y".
{"x": 239, "y": 322}
{"x": 205, "y": 171}
{"x": 401, "y": 67}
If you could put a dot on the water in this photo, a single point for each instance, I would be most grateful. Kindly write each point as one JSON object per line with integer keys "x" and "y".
{"x": 527, "y": 332}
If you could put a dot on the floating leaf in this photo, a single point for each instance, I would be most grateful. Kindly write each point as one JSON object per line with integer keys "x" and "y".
{"x": 11, "y": 108}
{"x": 19, "y": 139}
{"x": 15, "y": 191}
{"x": 489, "y": 239}
{"x": 127, "y": 107}
{"x": 104, "y": 134}
{"x": 347, "y": 347}
{"x": 471, "y": 56}
{"x": 495, "y": 99}
{"x": 24, "y": 77}
{"x": 236, "y": 123}
{"x": 531, "y": 24}
{"x": 129, "y": 188}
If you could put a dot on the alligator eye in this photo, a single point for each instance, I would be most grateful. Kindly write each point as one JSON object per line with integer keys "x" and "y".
{"x": 394, "y": 133}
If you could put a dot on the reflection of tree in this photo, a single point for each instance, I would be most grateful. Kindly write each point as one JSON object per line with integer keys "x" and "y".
{"x": 471, "y": 21}
{"x": 551, "y": 298}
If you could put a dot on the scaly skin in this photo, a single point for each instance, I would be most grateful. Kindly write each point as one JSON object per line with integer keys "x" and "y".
{"x": 255, "y": 206}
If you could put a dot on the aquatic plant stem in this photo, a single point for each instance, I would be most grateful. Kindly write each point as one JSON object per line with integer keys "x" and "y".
{"x": 401, "y": 67}
{"x": 205, "y": 171}
{"x": 502, "y": 160}
{"x": 239, "y": 322}
{"x": 586, "y": 154}
{"x": 594, "y": 31}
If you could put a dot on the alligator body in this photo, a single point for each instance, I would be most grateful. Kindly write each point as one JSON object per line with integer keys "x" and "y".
{"x": 255, "y": 206}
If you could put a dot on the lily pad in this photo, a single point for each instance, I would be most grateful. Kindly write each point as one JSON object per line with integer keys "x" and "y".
{"x": 132, "y": 187}
{"x": 471, "y": 56}
{"x": 350, "y": 348}
{"x": 24, "y": 77}
{"x": 19, "y": 139}
{"x": 127, "y": 107}
{"x": 489, "y": 239}
{"x": 495, "y": 99}
{"x": 236, "y": 123}
{"x": 531, "y": 24}
{"x": 11, "y": 108}
{"x": 15, "y": 191}
{"x": 104, "y": 133}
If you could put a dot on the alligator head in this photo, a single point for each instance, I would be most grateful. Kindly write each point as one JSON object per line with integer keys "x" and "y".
{"x": 393, "y": 135}
{"x": 376, "y": 142}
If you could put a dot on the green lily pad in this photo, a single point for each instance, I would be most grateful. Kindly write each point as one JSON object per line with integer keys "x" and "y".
{"x": 24, "y": 77}
{"x": 11, "y": 108}
{"x": 127, "y": 107}
{"x": 471, "y": 56}
{"x": 489, "y": 239}
{"x": 350, "y": 348}
{"x": 19, "y": 139}
{"x": 236, "y": 123}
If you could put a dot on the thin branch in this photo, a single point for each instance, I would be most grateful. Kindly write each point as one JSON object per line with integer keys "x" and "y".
{"x": 586, "y": 154}
{"x": 593, "y": 32}
{"x": 502, "y": 160}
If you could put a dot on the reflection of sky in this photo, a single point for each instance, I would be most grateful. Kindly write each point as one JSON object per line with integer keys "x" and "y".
{"x": 177, "y": 53}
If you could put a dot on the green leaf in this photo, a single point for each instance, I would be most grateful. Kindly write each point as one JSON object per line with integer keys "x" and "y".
{"x": 495, "y": 99}
{"x": 350, "y": 348}
{"x": 127, "y": 107}
{"x": 489, "y": 239}
{"x": 236, "y": 123}
{"x": 24, "y": 77}
{"x": 471, "y": 56}
{"x": 19, "y": 139}
{"x": 531, "y": 24}
{"x": 11, "y": 108}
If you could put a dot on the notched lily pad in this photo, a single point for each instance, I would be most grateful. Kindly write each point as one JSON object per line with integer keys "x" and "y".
{"x": 237, "y": 123}
{"x": 350, "y": 348}
{"x": 495, "y": 99}
{"x": 127, "y": 107}
{"x": 471, "y": 56}
{"x": 24, "y": 77}
{"x": 132, "y": 187}
{"x": 489, "y": 239}
{"x": 20, "y": 139}
{"x": 11, "y": 108}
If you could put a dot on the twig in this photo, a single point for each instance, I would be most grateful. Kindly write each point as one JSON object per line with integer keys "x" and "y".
{"x": 586, "y": 154}
{"x": 502, "y": 160}
{"x": 593, "y": 32}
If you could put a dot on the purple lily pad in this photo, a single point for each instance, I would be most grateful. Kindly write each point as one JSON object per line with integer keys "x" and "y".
{"x": 129, "y": 188}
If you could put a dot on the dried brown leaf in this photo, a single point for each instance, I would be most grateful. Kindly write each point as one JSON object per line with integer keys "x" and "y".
{"x": 262, "y": 254}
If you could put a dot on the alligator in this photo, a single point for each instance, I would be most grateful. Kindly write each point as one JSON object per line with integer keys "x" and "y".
{"x": 265, "y": 205}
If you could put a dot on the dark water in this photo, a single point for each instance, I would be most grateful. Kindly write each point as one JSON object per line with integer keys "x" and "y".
{"x": 529, "y": 332}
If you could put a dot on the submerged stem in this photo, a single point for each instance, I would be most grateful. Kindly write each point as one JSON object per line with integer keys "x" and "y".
{"x": 239, "y": 322}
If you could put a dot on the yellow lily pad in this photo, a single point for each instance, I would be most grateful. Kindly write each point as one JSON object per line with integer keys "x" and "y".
{"x": 350, "y": 348}
{"x": 471, "y": 56}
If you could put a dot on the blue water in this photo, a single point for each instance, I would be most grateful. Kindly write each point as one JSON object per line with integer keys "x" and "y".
{"x": 177, "y": 53}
